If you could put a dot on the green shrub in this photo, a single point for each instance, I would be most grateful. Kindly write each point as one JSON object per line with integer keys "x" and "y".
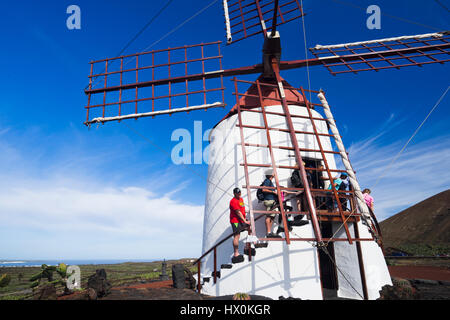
{"x": 426, "y": 249}
{"x": 5, "y": 279}
{"x": 241, "y": 296}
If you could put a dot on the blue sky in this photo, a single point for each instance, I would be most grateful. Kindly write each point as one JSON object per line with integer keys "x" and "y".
{"x": 67, "y": 192}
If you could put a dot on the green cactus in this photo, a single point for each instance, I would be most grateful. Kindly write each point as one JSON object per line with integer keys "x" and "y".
{"x": 62, "y": 270}
{"x": 241, "y": 296}
{"x": 47, "y": 273}
{"x": 5, "y": 279}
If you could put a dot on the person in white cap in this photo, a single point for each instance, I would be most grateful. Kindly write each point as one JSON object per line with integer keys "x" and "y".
{"x": 270, "y": 197}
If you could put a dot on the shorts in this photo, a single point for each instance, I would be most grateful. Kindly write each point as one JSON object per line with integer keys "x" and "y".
{"x": 238, "y": 227}
{"x": 268, "y": 204}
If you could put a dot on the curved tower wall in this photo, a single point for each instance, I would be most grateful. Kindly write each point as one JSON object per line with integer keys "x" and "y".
{"x": 225, "y": 171}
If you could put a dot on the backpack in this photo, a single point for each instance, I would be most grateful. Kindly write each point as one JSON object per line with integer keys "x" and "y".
{"x": 296, "y": 180}
{"x": 260, "y": 194}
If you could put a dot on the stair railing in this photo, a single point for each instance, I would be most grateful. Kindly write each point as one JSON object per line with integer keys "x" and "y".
{"x": 214, "y": 248}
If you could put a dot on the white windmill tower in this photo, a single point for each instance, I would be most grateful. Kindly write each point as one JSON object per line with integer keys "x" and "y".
{"x": 272, "y": 125}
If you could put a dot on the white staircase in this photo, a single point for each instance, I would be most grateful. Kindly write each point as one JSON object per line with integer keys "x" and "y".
{"x": 277, "y": 270}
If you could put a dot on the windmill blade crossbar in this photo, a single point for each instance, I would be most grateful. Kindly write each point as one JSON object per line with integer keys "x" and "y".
{"x": 246, "y": 18}
{"x": 154, "y": 83}
{"x": 388, "y": 53}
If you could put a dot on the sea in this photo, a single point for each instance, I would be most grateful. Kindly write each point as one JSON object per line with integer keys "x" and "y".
{"x": 38, "y": 263}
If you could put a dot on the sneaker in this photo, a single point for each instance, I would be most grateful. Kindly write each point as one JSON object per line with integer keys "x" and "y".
{"x": 272, "y": 235}
{"x": 302, "y": 223}
{"x": 238, "y": 259}
{"x": 281, "y": 229}
{"x": 261, "y": 245}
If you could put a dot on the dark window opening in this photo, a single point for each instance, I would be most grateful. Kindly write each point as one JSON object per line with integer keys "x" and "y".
{"x": 328, "y": 273}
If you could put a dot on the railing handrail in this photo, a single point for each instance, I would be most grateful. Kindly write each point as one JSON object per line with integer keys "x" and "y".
{"x": 372, "y": 214}
{"x": 219, "y": 243}
{"x": 229, "y": 236}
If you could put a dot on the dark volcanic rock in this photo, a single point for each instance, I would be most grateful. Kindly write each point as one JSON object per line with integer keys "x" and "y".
{"x": 99, "y": 283}
{"x": 400, "y": 290}
{"x": 91, "y": 294}
{"x": 48, "y": 292}
{"x": 432, "y": 290}
{"x": 182, "y": 277}
{"x": 153, "y": 294}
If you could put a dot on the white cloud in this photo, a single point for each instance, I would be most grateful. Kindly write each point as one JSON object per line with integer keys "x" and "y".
{"x": 111, "y": 213}
{"x": 60, "y": 210}
{"x": 128, "y": 211}
{"x": 420, "y": 172}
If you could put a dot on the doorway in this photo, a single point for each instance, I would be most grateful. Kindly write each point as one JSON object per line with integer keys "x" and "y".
{"x": 328, "y": 273}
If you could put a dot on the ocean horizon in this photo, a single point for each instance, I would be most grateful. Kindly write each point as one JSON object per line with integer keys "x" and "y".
{"x": 70, "y": 262}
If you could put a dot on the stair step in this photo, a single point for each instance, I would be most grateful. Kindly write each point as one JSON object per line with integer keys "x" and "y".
{"x": 226, "y": 266}
{"x": 248, "y": 252}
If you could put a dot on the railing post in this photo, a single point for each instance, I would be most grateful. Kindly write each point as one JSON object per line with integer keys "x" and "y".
{"x": 215, "y": 265}
{"x": 199, "y": 285}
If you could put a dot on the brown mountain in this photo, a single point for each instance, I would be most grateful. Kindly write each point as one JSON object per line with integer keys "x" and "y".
{"x": 427, "y": 222}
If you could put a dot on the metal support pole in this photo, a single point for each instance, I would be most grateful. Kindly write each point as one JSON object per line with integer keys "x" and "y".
{"x": 274, "y": 20}
{"x": 298, "y": 157}
{"x": 277, "y": 181}
{"x": 333, "y": 188}
{"x": 199, "y": 285}
{"x": 215, "y": 265}
{"x": 361, "y": 263}
{"x": 244, "y": 157}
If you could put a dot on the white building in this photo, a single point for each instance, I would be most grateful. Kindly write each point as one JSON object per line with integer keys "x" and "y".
{"x": 297, "y": 269}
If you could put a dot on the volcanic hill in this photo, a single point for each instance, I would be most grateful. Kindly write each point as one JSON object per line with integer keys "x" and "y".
{"x": 425, "y": 223}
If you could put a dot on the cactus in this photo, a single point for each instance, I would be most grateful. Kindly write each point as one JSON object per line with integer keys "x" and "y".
{"x": 62, "y": 270}
{"x": 241, "y": 296}
{"x": 5, "y": 279}
{"x": 47, "y": 273}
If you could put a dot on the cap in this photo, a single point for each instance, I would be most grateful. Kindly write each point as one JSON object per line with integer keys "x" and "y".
{"x": 269, "y": 172}
{"x": 236, "y": 190}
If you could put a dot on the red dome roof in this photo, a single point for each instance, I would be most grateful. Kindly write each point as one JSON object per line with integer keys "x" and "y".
{"x": 269, "y": 94}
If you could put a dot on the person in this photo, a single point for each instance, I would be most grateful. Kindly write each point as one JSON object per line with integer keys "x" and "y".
{"x": 238, "y": 222}
{"x": 270, "y": 197}
{"x": 318, "y": 178}
{"x": 296, "y": 178}
{"x": 344, "y": 186}
{"x": 368, "y": 198}
{"x": 318, "y": 182}
{"x": 337, "y": 182}
{"x": 297, "y": 182}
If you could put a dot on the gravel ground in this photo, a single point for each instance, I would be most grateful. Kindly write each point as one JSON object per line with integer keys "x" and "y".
{"x": 420, "y": 272}
{"x": 433, "y": 283}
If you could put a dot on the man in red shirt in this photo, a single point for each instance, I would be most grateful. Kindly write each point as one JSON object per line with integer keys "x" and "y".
{"x": 238, "y": 222}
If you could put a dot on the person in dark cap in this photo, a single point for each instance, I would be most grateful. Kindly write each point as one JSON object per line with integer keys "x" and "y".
{"x": 270, "y": 197}
{"x": 344, "y": 186}
{"x": 238, "y": 222}
{"x": 340, "y": 183}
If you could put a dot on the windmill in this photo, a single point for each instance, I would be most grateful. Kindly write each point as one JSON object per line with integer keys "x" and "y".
{"x": 272, "y": 125}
